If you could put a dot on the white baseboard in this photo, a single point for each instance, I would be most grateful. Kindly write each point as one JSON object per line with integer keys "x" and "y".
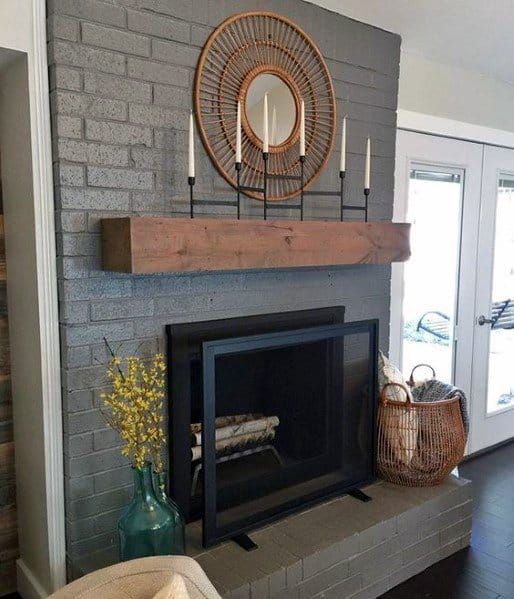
{"x": 29, "y": 586}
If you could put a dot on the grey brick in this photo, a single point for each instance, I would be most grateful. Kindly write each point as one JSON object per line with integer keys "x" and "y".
{"x": 119, "y": 178}
{"x": 158, "y": 116}
{"x": 325, "y": 579}
{"x": 455, "y": 531}
{"x": 65, "y": 78}
{"x": 77, "y": 445}
{"x": 78, "y": 379}
{"x": 78, "y": 244}
{"x": 92, "y": 10}
{"x": 117, "y": 87}
{"x": 346, "y": 588}
{"x": 178, "y": 54}
{"x": 82, "y": 508}
{"x": 83, "y": 422}
{"x": 106, "y": 310}
{"x": 157, "y": 72}
{"x": 75, "y": 357}
{"x": 78, "y": 487}
{"x": 98, "y": 154}
{"x": 180, "y": 9}
{"x": 85, "y": 105}
{"x": 63, "y": 28}
{"x": 71, "y": 175}
{"x": 72, "y": 222}
{"x": 112, "y": 39}
{"x": 76, "y": 55}
{"x": 158, "y": 26}
{"x": 95, "y": 199}
{"x": 96, "y": 289}
{"x": 105, "y": 439}
{"x": 68, "y": 126}
{"x": 75, "y": 312}
{"x": 94, "y": 333}
{"x": 113, "y": 479}
{"x": 118, "y": 133}
{"x": 199, "y": 35}
{"x": 330, "y": 556}
{"x": 150, "y": 158}
{"x": 78, "y": 401}
{"x": 166, "y": 95}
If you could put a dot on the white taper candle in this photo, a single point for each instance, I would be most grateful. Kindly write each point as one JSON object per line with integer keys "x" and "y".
{"x": 238, "y": 133}
{"x": 367, "y": 173}
{"x": 191, "y": 172}
{"x": 342, "y": 164}
{"x": 265, "y": 132}
{"x": 302, "y": 128}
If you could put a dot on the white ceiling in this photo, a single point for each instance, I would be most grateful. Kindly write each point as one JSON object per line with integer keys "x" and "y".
{"x": 473, "y": 34}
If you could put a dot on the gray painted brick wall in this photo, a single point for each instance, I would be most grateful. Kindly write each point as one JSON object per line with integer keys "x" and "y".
{"x": 121, "y": 74}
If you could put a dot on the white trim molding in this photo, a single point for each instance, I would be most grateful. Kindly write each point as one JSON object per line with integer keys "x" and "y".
{"x": 427, "y": 123}
{"x": 47, "y": 295}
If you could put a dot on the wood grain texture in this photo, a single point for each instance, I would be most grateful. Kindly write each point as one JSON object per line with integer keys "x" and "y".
{"x": 145, "y": 245}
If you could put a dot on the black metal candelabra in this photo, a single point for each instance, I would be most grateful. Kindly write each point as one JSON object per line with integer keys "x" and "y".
{"x": 264, "y": 191}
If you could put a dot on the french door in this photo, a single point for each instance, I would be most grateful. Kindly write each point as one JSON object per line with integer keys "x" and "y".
{"x": 451, "y": 303}
{"x": 493, "y": 351}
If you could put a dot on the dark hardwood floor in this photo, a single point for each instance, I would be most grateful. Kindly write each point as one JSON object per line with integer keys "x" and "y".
{"x": 486, "y": 569}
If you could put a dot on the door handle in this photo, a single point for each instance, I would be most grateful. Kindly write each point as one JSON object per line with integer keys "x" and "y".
{"x": 483, "y": 320}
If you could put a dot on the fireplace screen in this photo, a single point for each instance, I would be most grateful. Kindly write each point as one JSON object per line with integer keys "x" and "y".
{"x": 288, "y": 419}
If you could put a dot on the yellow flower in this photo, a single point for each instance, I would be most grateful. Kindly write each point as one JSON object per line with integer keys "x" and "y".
{"x": 134, "y": 407}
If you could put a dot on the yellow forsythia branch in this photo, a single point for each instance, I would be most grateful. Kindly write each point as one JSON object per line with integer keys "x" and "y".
{"x": 134, "y": 407}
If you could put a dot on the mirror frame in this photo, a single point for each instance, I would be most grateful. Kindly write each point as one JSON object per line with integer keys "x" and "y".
{"x": 244, "y": 46}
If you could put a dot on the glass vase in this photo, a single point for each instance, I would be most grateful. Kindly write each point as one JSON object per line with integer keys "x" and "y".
{"x": 179, "y": 532}
{"x": 148, "y": 525}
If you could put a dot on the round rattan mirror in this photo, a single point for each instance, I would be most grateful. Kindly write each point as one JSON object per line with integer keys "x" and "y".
{"x": 251, "y": 54}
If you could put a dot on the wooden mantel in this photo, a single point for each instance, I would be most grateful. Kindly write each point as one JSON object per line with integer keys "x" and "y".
{"x": 144, "y": 245}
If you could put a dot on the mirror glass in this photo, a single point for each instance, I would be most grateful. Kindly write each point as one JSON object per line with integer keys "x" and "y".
{"x": 281, "y": 107}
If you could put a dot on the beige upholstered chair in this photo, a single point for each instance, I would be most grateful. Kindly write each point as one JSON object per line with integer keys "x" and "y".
{"x": 141, "y": 579}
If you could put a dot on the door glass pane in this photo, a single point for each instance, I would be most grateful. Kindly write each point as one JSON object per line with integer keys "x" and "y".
{"x": 501, "y": 347}
{"x": 430, "y": 276}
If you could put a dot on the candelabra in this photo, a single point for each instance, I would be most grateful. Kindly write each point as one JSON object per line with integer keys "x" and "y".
{"x": 264, "y": 191}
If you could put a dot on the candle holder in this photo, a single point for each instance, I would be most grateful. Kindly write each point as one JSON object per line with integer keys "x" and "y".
{"x": 367, "y": 191}
{"x": 239, "y": 166}
{"x": 302, "y": 185}
{"x": 265, "y": 156}
{"x": 342, "y": 175}
{"x": 191, "y": 183}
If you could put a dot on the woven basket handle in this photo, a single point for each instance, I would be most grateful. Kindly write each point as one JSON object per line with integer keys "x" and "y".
{"x": 383, "y": 396}
{"x": 411, "y": 382}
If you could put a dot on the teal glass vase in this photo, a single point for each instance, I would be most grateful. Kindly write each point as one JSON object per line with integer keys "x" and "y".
{"x": 179, "y": 532}
{"x": 148, "y": 525}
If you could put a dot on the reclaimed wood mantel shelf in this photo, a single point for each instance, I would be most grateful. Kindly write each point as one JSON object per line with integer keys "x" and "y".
{"x": 145, "y": 245}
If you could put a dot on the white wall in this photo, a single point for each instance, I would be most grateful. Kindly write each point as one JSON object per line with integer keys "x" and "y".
{"x": 451, "y": 92}
{"x": 16, "y": 24}
{"x": 23, "y": 303}
{"x": 32, "y": 295}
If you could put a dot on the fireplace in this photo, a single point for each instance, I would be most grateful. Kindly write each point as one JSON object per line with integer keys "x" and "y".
{"x": 269, "y": 414}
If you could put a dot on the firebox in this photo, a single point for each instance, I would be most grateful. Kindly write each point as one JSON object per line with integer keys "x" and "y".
{"x": 269, "y": 414}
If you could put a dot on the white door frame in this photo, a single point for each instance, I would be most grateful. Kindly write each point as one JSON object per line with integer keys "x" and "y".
{"x": 48, "y": 298}
{"x": 24, "y": 29}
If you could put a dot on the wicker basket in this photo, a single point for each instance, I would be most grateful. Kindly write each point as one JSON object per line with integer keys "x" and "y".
{"x": 419, "y": 444}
